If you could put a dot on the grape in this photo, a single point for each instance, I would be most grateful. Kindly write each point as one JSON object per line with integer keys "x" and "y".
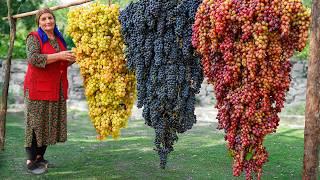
{"x": 109, "y": 86}
{"x": 158, "y": 36}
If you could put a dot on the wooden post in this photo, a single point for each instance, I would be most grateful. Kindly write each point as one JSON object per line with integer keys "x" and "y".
{"x": 312, "y": 114}
{"x": 109, "y": 2}
{"x": 7, "y": 66}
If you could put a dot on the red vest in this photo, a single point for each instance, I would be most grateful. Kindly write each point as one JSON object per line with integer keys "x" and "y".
{"x": 44, "y": 83}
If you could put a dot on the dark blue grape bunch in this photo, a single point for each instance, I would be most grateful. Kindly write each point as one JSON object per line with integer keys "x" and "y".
{"x": 157, "y": 35}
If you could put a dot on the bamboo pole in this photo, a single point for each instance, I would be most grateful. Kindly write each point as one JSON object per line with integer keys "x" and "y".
{"x": 312, "y": 119}
{"x": 54, "y": 8}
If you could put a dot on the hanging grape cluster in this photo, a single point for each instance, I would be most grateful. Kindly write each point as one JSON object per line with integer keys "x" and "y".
{"x": 245, "y": 48}
{"x": 109, "y": 87}
{"x": 158, "y": 35}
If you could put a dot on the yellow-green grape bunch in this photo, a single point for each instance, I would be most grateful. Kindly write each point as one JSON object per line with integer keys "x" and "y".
{"x": 109, "y": 87}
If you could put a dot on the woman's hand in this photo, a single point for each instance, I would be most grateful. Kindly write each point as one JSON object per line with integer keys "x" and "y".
{"x": 61, "y": 56}
{"x": 67, "y": 56}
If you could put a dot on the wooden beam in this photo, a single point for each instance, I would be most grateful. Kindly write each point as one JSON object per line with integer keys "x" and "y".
{"x": 312, "y": 122}
{"x": 6, "y": 68}
{"x": 54, "y": 8}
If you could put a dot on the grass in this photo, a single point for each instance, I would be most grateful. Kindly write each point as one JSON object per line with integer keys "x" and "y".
{"x": 199, "y": 154}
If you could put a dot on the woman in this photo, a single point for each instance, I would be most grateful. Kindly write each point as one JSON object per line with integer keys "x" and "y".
{"x": 45, "y": 90}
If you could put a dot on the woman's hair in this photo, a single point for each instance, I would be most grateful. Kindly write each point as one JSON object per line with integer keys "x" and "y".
{"x": 42, "y": 11}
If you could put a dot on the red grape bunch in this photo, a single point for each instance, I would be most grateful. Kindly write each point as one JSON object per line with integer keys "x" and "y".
{"x": 245, "y": 46}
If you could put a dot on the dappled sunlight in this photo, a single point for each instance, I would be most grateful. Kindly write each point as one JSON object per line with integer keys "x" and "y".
{"x": 63, "y": 173}
{"x": 291, "y": 133}
{"x": 132, "y": 138}
{"x": 93, "y": 139}
{"x": 145, "y": 149}
{"x": 89, "y": 140}
{"x": 215, "y": 143}
{"x": 120, "y": 150}
{"x": 146, "y": 132}
{"x": 16, "y": 125}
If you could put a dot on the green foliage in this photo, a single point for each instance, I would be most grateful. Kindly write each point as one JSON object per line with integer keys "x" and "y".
{"x": 18, "y": 6}
{"x": 24, "y": 25}
{"x": 4, "y": 43}
{"x": 19, "y": 50}
{"x": 122, "y": 3}
{"x": 304, "y": 54}
{"x": 307, "y": 3}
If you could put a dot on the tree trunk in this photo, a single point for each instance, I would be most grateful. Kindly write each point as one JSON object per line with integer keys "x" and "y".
{"x": 312, "y": 116}
{"x": 6, "y": 68}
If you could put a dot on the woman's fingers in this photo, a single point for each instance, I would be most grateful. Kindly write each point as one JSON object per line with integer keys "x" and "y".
{"x": 69, "y": 56}
{"x": 72, "y": 58}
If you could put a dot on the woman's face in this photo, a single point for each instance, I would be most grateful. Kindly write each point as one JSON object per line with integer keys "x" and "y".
{"x": 46, "y": 22}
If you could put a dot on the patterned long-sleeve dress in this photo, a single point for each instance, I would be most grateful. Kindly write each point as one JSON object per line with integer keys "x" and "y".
{"x": 47, "y": 119}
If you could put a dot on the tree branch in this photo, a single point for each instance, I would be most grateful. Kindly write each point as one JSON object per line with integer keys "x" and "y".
{"x": 54, "y": 8}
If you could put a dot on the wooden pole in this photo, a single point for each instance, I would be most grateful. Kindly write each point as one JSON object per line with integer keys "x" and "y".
{"x": 54, "y": 8}
{"x": 7, "y": 66}
{"x": 312, "y": 114}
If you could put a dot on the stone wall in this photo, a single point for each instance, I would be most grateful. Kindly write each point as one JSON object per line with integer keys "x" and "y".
{"x": 296, "y": 95}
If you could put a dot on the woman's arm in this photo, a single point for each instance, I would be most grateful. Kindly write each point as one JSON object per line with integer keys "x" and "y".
{"x": 33, "y": 52}
{"x": 60, "y": 56}
{"x": 40, "y": 60}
